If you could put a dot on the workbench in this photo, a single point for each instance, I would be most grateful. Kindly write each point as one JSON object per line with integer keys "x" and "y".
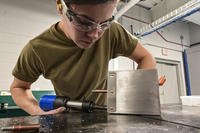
{"x": 175, "y": 119}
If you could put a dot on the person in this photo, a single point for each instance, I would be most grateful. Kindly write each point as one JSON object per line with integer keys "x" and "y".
{"x": 74, "y": 54}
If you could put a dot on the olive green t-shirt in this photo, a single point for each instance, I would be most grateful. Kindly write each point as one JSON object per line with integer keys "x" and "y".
{"x": 73, "y": 71}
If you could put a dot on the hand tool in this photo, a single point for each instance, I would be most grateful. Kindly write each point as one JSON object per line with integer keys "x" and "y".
{"x": 50, "y": 102}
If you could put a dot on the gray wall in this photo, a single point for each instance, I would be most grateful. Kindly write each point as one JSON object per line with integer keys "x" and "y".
{"x": 194, "y": 33}
{"x": 21, "y": 20}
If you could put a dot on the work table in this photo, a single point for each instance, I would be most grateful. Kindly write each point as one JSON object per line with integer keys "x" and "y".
{"x": 175, "y": 118}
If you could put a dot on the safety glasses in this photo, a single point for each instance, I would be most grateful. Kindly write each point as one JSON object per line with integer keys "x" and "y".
{"x": 83, "y": 23}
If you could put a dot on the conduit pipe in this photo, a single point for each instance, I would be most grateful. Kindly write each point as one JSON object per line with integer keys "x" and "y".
{"x": 187, "y": 76}
{"x": 176, "y": 43}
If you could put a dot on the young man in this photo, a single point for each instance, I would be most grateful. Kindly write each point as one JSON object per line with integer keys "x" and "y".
{"x": 74, "y": 54}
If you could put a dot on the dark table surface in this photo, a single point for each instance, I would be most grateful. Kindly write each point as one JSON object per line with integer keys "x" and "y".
{"x": 174, "y": 119}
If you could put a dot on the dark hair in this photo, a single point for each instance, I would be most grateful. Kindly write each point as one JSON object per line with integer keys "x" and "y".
{"x": 81, "y": 2}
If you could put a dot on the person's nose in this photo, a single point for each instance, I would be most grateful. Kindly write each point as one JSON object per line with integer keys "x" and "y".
{"x": 94, "y": 33}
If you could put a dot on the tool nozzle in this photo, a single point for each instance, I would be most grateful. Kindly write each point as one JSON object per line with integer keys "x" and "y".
{"x": 100, "y": 107}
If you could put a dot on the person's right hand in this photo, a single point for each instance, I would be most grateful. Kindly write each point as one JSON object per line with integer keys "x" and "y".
{"x": 55, "y": 111}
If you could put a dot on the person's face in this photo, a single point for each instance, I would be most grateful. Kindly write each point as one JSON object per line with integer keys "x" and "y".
{"x": 88, "y": 22}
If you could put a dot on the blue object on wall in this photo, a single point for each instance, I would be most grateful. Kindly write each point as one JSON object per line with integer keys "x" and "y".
{"x": 187, "y": 78}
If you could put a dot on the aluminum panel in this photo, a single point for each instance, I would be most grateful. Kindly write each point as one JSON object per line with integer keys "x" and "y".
{"x": 135, "y": 92}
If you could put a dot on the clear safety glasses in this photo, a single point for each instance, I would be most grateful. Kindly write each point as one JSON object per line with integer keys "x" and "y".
{"x": 83, "y": 23}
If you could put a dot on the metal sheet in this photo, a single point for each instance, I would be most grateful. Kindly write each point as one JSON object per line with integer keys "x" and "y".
{"x": 133, "y": 92}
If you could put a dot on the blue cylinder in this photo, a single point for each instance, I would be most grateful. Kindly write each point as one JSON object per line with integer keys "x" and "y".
{"x": 46, "y": 102}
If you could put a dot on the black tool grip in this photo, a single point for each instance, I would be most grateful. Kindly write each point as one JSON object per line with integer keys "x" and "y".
{"x": 87, "y": 106}
{"x": 60, "y": 101}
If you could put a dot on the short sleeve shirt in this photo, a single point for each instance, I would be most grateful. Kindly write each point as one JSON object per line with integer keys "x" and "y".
{"x": 73, "y": 71}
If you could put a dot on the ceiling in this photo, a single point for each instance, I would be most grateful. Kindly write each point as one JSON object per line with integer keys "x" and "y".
{"x": 195, "y": 18}
{"x": 148, "y": 4}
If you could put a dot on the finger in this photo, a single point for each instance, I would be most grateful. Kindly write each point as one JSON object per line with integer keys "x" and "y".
{"x": 56, "y": 111}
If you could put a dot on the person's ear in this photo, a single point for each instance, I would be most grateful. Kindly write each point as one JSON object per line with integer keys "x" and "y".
{"x": 59, "y": 6}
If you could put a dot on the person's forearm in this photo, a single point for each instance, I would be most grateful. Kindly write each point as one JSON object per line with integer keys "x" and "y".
{"x": 148, "y": 62}
{"x": 25, "y": 100}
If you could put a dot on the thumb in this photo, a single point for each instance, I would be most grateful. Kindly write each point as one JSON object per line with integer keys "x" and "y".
{"x": 56, "y": 111}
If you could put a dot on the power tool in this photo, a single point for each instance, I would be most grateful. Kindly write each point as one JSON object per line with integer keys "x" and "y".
{"x": 50, "y": 102}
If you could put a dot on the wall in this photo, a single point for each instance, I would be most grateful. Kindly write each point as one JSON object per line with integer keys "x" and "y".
{"x": 194, "y": 33}
{"x": 20, "y": 21}
{"x": 193, "y": 55}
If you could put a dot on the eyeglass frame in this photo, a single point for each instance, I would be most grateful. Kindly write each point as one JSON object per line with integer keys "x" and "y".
{"x": 70, "y": 14}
